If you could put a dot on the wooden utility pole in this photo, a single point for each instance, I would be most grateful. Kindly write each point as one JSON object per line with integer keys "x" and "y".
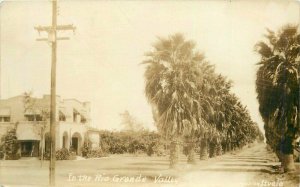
{"x": 52, "y": 38}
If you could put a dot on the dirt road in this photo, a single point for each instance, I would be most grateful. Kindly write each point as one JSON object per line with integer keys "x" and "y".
{"x": 249, "y": 167}
{"x": 253, "y": 166}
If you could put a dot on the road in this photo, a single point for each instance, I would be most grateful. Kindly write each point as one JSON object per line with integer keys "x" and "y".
{"x": 251, "y": 166}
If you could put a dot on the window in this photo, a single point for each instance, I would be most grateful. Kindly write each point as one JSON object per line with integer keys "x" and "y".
{"x": 83, "y": 119}
{"x": 75, "y": 113}
{"x": 34, "y": 117}
{"x": 39, "y": 118}
{"x": 62, "y": 117}
{"x": 30, "y": 117}
{"x": 4, "y": 118}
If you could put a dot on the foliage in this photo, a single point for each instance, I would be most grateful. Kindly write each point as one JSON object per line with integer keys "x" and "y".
{"x": 136, "y": 145}
{"x": 130, "y": 123}
{"x": 1, "y": 151}
{"x": 172, "y": 75}
{"x": 11, "y": 146}
{"x": 130, "y": 142}
{"x": 277, "y": 87}
{"x": 156, "y": 148}
{"x": 88, "y": 152}
{"x": 41, "y": 114}
{"x": 62, "y": 154}
{"x": 86, "y": 148}
{"x": 189, "y": 98}
{"x": 96, "y": 153}
{"x": 46, "y": 155}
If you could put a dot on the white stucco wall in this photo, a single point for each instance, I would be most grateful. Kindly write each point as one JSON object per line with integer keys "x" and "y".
{"x": 70, "y": 129}
{"x": 94, "y": 137}
{"x": 4, "y": 128}
{"x": 28, "y": 131}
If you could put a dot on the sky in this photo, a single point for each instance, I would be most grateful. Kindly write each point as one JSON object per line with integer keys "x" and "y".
{"x": 101, "y": 61}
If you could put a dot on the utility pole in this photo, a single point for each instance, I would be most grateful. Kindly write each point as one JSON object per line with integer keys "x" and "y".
{"x": 0, "y": 55}
{"x": 52, "y": 38}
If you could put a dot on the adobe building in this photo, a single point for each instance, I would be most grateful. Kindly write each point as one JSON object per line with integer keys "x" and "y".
{"x": 32, "y": 124}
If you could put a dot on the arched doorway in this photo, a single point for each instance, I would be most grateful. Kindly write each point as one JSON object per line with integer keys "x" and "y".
{"x": 65, "y": 140}
{"x": 76, "y": 142}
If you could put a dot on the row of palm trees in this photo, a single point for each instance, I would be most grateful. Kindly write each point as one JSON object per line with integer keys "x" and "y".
{"x": 192, "y": 103}
{"x": 277, "y": 86}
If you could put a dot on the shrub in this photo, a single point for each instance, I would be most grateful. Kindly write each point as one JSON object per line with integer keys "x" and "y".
{"x": 159, "y": 150}
{"x": 62, "y": 154}
{"x": 46, "y": 156}
{"x": 156, "y": 148}
{"x": 150, "y": 150}
{"x": 96, "y": 153}
{"x": 104, "y": 146}
{"x": 1, "y": 151}
{"x": 136, "y": 145}
{"x": 129, "y": 142}
{"x": 86, "y": 148}
{"x": 11, "y": 146}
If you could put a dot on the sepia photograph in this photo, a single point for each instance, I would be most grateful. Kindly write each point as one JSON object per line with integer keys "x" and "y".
{"x": 133, "y": 93}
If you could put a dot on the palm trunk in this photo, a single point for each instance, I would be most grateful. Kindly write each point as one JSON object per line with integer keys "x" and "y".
{"x": 279, "y": 156}
{"x": 212, "y": 150}
{"x": 191, "y": 153}
{"x": 224, "y": 148}
{"x": 229, "y": 147}
{"x": 288, "y": 162}
{"x": 218, "y": 149}
{"x": 203, "y": 149}
{"x": 287, "y": 157}
{"x": 174, "y": 154}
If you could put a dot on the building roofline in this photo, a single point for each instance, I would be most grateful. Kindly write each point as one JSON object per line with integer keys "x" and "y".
{"x": 9, "y": 98}
{"x": 73, "y": 99}
{"x": 21, "y": 95}
{"x": 45, "y": 95}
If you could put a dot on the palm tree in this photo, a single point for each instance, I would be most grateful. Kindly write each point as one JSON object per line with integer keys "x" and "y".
{"x": 277, "y": 86}
{"x": 206, "y": 99}
{"x": 172, "y": 75}
{"x": 214, "y": 90}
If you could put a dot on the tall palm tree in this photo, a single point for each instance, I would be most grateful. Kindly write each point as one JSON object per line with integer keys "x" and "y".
{"x": 172, "y": 75}
{"x": 206, "y": 99}
{"x": 277, "y": 86}
{"x": 214, "y": 90}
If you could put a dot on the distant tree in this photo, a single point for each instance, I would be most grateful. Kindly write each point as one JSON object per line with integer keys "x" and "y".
{"x": 277, "y": 86}
{"x": 44, "y": 114}
{"x": 130, "y": 123}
